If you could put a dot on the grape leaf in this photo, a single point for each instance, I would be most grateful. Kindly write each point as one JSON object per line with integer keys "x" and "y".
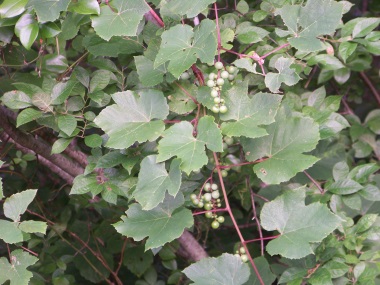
{"x": 185, "y": 7}
{"x": 317, "y": 17}
{"x": 226, "y": 269}
{"x": 288, "y": 138}
{"x": 48, "y": 10}
{"x": 120, "y": 22}
{"x": 148, "y": 75}
{"x": 182, "y": 46}
{"x": 248, "y": 113}
{"x": 154, "y": 180}
{"x": 16, "y": 205}
{"x": 162, "y": 224}
{"x": 285, "y": 75}
{"x": 180, "y": 102}
{"x": 10, "y": 233}
{"x": 131, "y": 118}
{"x": 31, "y": 226}
{"x": 265, "y": 272}
{"x": 179, "y": 141}
{"x": 16, "y": 271}
{"x": 298, "y": 225}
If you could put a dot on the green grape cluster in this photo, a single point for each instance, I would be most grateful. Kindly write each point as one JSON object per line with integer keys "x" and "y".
{"x": 242, "y": 254}
{"x": 216, "y": 81}
{"x": 209, "y": 200}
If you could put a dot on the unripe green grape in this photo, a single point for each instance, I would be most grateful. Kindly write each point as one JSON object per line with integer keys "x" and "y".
{"x": 185, "y": 76}
{"x": 207, "y": 187}
{"x": 231, "y": 77}
{"x": 224, "y": 173}
{"x": 224, "y": 74}
{"x": 196, "y": 202}
{"x": 193, "y": 196}
{"x": 207, "y": 197}
{"x": 214, "y": 186}
{"x": 212, "y": 76}
{"x": 218, "y": 65}
{"x": 215, "y": 194}
{"x": 215, "y": 224}
{"x": 242, "y": 250}
{"x": 223, "y": 109}
{"x": 208, "y": 206}
{"x": 210, "y": 83}
{"x": 215, "y": 109}
{"x": 221, "y": 100}
{"x": 218, "y": 200}
{"x": 244, "y": 258}
{"x": 219, "y": 205}
{"x": 200, "y": 204}
{"x": 220, "y": 219}
{"x": 208, "y": 215}
{"x": 231, "y": 69}
{"x": 216, "y": 100}
{"x": 220, "y": 81}
{"x": 229, "y": 140}
{"x": 214, "y": 93}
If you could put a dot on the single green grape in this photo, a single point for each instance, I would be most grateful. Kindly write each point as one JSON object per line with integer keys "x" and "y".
{"x": 214, "y": 186}
{"x": 215, "y": 109}
{"x": 244, "y": 257}
{"x": 231, "y": 69}
{"x": 218, "y": 65}
{"x": 220, "y": 219}
{"x": 185, "y": 76}
{"x": 207, "y": 197}
{"x": 210, "y": 83}
{"x": 216, "y": 100}
{"x": 220, "y": 81}
{"x": 209, "y": 215}
{"x": 215, "y": 224}
{"x": 231, "y": 77}
{"x": 223, "y": 109}
{"x": 207, "y": 187}
{"x": 193, "y": 196}
{"x": 207, "y": 206}
{"x": 242, "y": 250}
{"x": 215, "y": 194}
{"x": 196, "y": 202}
{"x": 224, "y": 74}
{"x": 224, "y": 173}
{"x": 212, "y": 76}
{"x": 214, "y": 93}
{"x": 200, "y": 204}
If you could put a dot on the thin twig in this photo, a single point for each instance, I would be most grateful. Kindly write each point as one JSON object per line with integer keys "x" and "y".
{"x": 370, "y": 85}
{"x": 315, "y": 182}
{"x": 255, "y": 215}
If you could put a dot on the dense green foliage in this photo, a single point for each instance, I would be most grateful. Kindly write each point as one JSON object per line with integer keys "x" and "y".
{"x": 189, "y": 142}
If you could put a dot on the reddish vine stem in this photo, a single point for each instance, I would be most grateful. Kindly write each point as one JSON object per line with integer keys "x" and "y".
{"x": 187, "y": 93}
{"x": 255, "y": 215}
{"x": 314, "y": 182}
{"x": 228, "y": 208}
{"x": 218, "y": 30}
{"x": 243, "y": 163}
{"x": 264, "y": 238}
